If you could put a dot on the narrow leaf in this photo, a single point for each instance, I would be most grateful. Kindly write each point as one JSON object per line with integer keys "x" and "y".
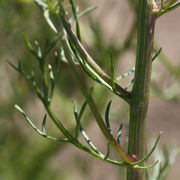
{"x": 50, "y": 44}
{"x": 75, "y": 111}
{"x": 146, "y": 167}
{"x": 30, "y": 47}
{"x": 112, "y": 72}
{"x": 108, "y": 151}
{"x": 14, "y": 67}
{"x": 82, "y": 110}
{"x": 44, "y": 124}
{"x": 88, "y": 140}
{"x": 119, "y": 133}
{"x": 74, "y": 10}
{"x": 19, "y": 109}
{"x": 38, "y": 130}
{"x": 131, "y": 71}
{"x": 87, "y": 11}
{"x": 50, "y": 23}
{"x": 157, "y": 54}
{"x": 150, "y": 153}
{"x": 107, "y": 116}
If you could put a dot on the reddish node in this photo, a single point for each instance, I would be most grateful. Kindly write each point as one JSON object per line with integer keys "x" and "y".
{"x": 134, "y": 158}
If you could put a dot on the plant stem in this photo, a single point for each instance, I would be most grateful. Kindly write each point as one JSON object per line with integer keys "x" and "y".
{"x": 124, "y": 156}
{"x": 140, "y": 91}
{"x": 88, "y": 59}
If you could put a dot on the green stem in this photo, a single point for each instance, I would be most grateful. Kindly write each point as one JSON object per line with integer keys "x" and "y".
{"x": 94, "y": 108}
{"x": 89, "y": 60}
{"x": 169, "y": 9}
{"x": 140, "y": 91}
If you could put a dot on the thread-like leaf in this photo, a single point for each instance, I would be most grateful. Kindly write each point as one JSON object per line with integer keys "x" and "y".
{"x": 75, "y": 111}
{"x": 107, "y": 116}
{"x": 87, "y": 69}
{"x": 146, "y": 167}
{"x": 108, "y": 151}
{"x": 41, "y": 3}
{"x": 45, "y": 9}
{"x": 169, "y": 7}
{"x": 39, "y": 52}
{"x": 87, "y": 11}
{"x": 131, "y": 71}
{"x": 76, "y": 115}
{"x": 129, "y": 84}
{"x": 50, "y": 44}
{"x": 157, "y": 54}
{"x": 162, "y": 4}
{"x": 112, "y": 72}
{"x": 83, "y": 107}
{"x": 30, "y": 47}
{"x": 18, "y": 68}
{"x": 79, "y": 126}
{"x": 74, "y": 10}
{"x": 44, "y": 124}
{"x": 88, "y": 140}
{"x": 57, "y": 62}
{"x": 38, "y": 130}
{"x": 150, "y": 153}
{"x": 119, "y": 133}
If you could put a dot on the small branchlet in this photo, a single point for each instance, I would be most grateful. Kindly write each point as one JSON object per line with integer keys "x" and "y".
{"x": 40, "y": 132}
{"x": 48, "y": 72}
{"x": 95, "y": 69}
{"x": 18, "y": 68}
{"x": 162, "y": 7}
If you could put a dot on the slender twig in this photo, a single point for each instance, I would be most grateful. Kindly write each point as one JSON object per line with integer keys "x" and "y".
{"x": 84, "y": 54}
{"x": 169, "y": 9}
{"x": 93, "y": 106}
{"x": 42, "y": 133}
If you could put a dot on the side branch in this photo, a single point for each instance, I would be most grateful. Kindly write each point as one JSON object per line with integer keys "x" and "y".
{"x": 124, "y": 156}
{"x": 89, "y": 60}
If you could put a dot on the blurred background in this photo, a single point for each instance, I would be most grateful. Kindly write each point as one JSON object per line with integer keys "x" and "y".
{"x": 110, "y": 29}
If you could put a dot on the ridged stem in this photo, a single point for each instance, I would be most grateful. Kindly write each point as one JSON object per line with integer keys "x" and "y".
{"x": 141, "y": 87}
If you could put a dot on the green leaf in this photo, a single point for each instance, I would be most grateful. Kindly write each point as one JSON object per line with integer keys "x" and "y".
{"x": 107, "y": 116}
{"x": 30, "y": 47}
{"x": 87, "y": 11}
{"x": 119, "y": 133}
{"x": 50, "y": 44}
{"x": 157, "y": 54}
{"x": 74, "y": 10}
{"x": 112, "y": 72}
{"x": 150, "y": 153}
{"x": 44, "y": 124}
{"x": 83, "y": 107}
